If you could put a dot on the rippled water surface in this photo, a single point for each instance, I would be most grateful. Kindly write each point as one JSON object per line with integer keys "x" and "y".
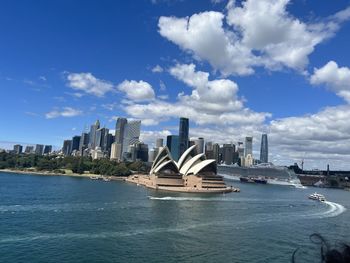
{"x": 64, "y": 219}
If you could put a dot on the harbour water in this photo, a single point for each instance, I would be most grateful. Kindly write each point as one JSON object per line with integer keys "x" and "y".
{"x": 66, "y": 219}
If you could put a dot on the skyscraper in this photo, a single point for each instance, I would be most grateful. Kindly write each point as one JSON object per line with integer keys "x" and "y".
{"x": 17, "y": 149}
{"x": 29, "y": 149}
{"x": 119, "y": 136}
{"x": 199, "y": 145}
{"x": 264, "y": 149}
{"x": 132, "y": 132}
{"x": 67, "y": 147}
{"x": 183, "y": 135}
{"x": 216, "y": 152}
{"x": 248, "y": 146}
{"x": 75, "y": 143}
{"x": 159, "y": 142}
{"x": 84, "y": 142}
{"x": 39, "y": 149}
{"x": 47, "y": 149}
{"x": 93, "y": 130}
{"x": 172, "y": 142}
{"x": 227, "y": 152}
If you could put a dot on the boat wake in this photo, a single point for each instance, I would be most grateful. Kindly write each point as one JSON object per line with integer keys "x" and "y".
{"x": 334, "y": 209}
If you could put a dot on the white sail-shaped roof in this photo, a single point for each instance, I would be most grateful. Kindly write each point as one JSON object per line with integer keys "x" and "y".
{"x": 184, "y": 156}
{"x": 184, "y": 169}
{"x": 200, "y": 166}
{"x": 164, "y": 164}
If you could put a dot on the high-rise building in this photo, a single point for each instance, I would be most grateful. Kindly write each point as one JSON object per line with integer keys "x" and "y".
{"x": 17, "y": 149}
{"x": 84, "y": 143}
{"x": 172, "y": 142}
{"x": 248, "y": 146}
{"x": 141, "y": 152}
{"x": 67, "y": 147}
{"x": 227, "y": 152}
{"x": 209, "y": 153}
{"x": 216, "y": 152}
{"x": 183, "y": 135}
{"x": 101, "y": 138}
{"x": 264, "y": 149}
{"x": 29, "y": 149}
{"x": 47, "y": 149}
{"x": 93, "y": 130}
{"x": 75, "y": 143}
{"x": 159, "y": 142}
{"x": 132, "y": 132}
{"x": 119, "y": 136}
{"x": 199, "y": 145}
{"x": 116, "y": 150}
{"x": 39, "y": 149}
{"x": 107, "y": 145}
{"x": 151, "y": 155}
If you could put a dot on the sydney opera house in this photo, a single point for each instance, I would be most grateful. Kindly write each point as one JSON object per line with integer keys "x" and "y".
{"x": 192, "y": 173}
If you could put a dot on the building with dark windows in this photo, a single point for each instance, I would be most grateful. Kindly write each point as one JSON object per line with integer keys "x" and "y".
{"x": 227, "y": 153}
{"x": 47, "y": 149}
{"x": 119, "y": 136}
{"x": 29, "y": 149}
{"x": 76, "y": 143}
{"x": 248, "y": 146}
{"x": 264, "y": 149}
{"x": 172, "y": 142}
{"x": 84, "y": 142}
{"x": 39, "y": 149}
{"x": 183, "y": 135}
{"x": 67, "y": 147}
{"x": 93, "y": 130}
{"x": 17, "y": 149}
{"x": 216, "y": 152}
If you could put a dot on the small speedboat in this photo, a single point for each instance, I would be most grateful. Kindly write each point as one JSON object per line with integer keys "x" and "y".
{"x": 246, "y": 180}
{"x": 94, "y": 177}
{"x": 317, "y": 197}
{"x": 106, "y": 179}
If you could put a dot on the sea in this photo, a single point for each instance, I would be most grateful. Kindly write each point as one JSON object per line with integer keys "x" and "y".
{"x": 68, "y": 219}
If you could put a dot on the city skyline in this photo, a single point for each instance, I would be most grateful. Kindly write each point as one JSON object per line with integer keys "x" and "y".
{"x": 292, "y": 86}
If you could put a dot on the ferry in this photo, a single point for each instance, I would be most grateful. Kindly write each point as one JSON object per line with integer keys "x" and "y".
{"x": 317, "y": 197}
{"x": 257, "y": 180}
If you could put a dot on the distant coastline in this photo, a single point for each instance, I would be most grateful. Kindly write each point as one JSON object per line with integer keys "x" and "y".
{"x": 48, "y": 173}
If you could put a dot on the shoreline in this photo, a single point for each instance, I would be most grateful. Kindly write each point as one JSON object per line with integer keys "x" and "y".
{"x": 47, "y": 173}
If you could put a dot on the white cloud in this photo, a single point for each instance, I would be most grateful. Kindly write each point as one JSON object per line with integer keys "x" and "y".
{"x": 211, "y": 102}
{"x": 335, "y": 78}
{"x": 157, "y": 69}
{"x": 88, "y": 83}
{"x": 260, "y": 33}
{"x": 137, "y": 91}
{"x": 149, "y": 137}
{"x": 65, "y": 112}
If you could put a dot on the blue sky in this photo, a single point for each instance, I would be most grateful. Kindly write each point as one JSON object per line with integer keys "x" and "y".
{"x": 234, "y": 68}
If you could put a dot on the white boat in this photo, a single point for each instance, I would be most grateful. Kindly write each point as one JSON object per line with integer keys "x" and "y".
{"x": 317, "y": 197}
{"x": 94, "y": 177}
{"x": 106, "y": 179}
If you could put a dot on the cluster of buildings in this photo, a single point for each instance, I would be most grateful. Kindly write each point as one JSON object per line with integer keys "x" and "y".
{"x": 125, "y": 145}
{"x": 38, "y": 149}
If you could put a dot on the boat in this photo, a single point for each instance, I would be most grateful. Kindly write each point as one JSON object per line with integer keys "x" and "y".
{"x": 94, "y": 177}
{"x": 317, "y": 197}
{"x": 257, "y": 180}
{"x": 106, "y": 179}
{"x": 246, "y": 180}
{"x": 271, "y": 173}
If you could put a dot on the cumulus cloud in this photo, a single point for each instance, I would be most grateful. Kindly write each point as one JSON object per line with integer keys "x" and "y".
{"x": 157, "y": 69}
{"x": 88, "y": 83}
{"x": 137, "y": 90}
{"x": 210, "y": 102}
{"x": 258, "y": 33}
{"x": 65, "y": 112}
{"x": 335, "y": 78}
